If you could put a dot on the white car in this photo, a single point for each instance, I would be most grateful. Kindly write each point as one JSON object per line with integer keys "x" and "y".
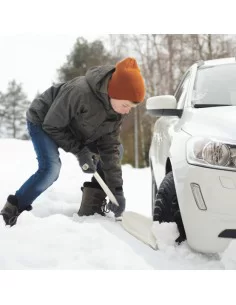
{"x": 193, "y": 153}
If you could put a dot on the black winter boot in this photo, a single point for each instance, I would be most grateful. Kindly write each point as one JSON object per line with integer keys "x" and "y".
{"x": 11, "y": 211}
{"x": 93, "y": 200}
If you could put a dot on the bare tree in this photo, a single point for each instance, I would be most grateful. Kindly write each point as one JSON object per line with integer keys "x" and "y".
{"x": 212, "y": 46}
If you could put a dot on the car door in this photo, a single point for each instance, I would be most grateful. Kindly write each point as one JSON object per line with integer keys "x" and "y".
{"x": 164, "y": 130}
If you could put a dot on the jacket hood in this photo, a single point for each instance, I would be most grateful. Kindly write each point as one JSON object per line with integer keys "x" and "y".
{"x": 98, "y": 78}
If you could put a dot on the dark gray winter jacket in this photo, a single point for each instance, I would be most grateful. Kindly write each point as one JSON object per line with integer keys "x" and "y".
{"x": 78, "y": 113}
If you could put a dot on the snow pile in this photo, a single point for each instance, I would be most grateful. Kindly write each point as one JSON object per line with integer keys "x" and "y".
{"x": 52, "y": 236}
{"x": 228, "y": 257}
{"x": 165, "y": 234}
{"x": 58, "y": 242}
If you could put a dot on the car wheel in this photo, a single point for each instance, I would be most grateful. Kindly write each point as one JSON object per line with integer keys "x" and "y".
{"x": 166, "y": 200}
{"x": 166, "y": 207}
{"x": 154, "y": 192}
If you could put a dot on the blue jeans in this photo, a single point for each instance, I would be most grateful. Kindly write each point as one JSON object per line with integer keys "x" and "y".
{"x": 49, "y": 165}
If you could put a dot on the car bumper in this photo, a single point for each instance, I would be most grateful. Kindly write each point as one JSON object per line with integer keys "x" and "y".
{"x": 218, "y": 190}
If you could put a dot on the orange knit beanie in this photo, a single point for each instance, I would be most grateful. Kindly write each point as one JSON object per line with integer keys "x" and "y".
{"x": 127, "y": 82}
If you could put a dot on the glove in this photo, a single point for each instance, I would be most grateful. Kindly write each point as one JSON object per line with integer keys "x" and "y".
{"x": 88, "y": 160}
{"x": 117, "y": 210}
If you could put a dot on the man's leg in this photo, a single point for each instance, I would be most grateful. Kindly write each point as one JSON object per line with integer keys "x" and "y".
{"x": 49, "y": 165}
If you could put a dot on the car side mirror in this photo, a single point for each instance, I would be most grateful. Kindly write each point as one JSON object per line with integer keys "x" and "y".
{"x": 163, "y": 105}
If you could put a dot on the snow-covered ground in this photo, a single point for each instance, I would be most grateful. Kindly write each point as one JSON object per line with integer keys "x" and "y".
{"x": 52, "y": 236}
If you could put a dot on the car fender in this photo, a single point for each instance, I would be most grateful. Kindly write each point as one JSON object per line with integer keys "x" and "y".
{"x": 178, "y": 161}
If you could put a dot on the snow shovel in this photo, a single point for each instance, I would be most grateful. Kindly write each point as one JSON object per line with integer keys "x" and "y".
{"x": 136, "y": 224}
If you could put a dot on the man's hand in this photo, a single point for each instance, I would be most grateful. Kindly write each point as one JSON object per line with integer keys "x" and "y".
{"x": 87, "y": 160}
{"x": 117, "y": 210}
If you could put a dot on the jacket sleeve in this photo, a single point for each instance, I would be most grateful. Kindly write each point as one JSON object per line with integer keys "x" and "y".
{"x": 108, "y": 148}
{"x": 56, "y": 122}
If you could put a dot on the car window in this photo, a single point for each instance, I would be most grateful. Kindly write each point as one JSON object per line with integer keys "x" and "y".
{"x": 215, "y": 85}
{"x": 181, "y": 92}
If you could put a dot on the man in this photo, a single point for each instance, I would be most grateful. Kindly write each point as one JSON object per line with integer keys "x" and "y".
{"x": 82, "y": 116}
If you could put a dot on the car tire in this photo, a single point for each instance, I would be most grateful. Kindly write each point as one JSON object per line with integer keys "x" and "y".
{"x": 166, "y": 200}
{"x": 166, "y": 207}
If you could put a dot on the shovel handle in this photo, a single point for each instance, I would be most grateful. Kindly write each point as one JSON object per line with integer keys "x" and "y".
{"x": 105, "y": 188}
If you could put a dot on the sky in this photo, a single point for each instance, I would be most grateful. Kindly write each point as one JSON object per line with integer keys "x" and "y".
{"x": 33, "y": 59}
{"x": 36, "y": 37}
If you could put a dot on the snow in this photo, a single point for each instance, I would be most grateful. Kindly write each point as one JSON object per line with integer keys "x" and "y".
{"x": 52, "y": 236}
